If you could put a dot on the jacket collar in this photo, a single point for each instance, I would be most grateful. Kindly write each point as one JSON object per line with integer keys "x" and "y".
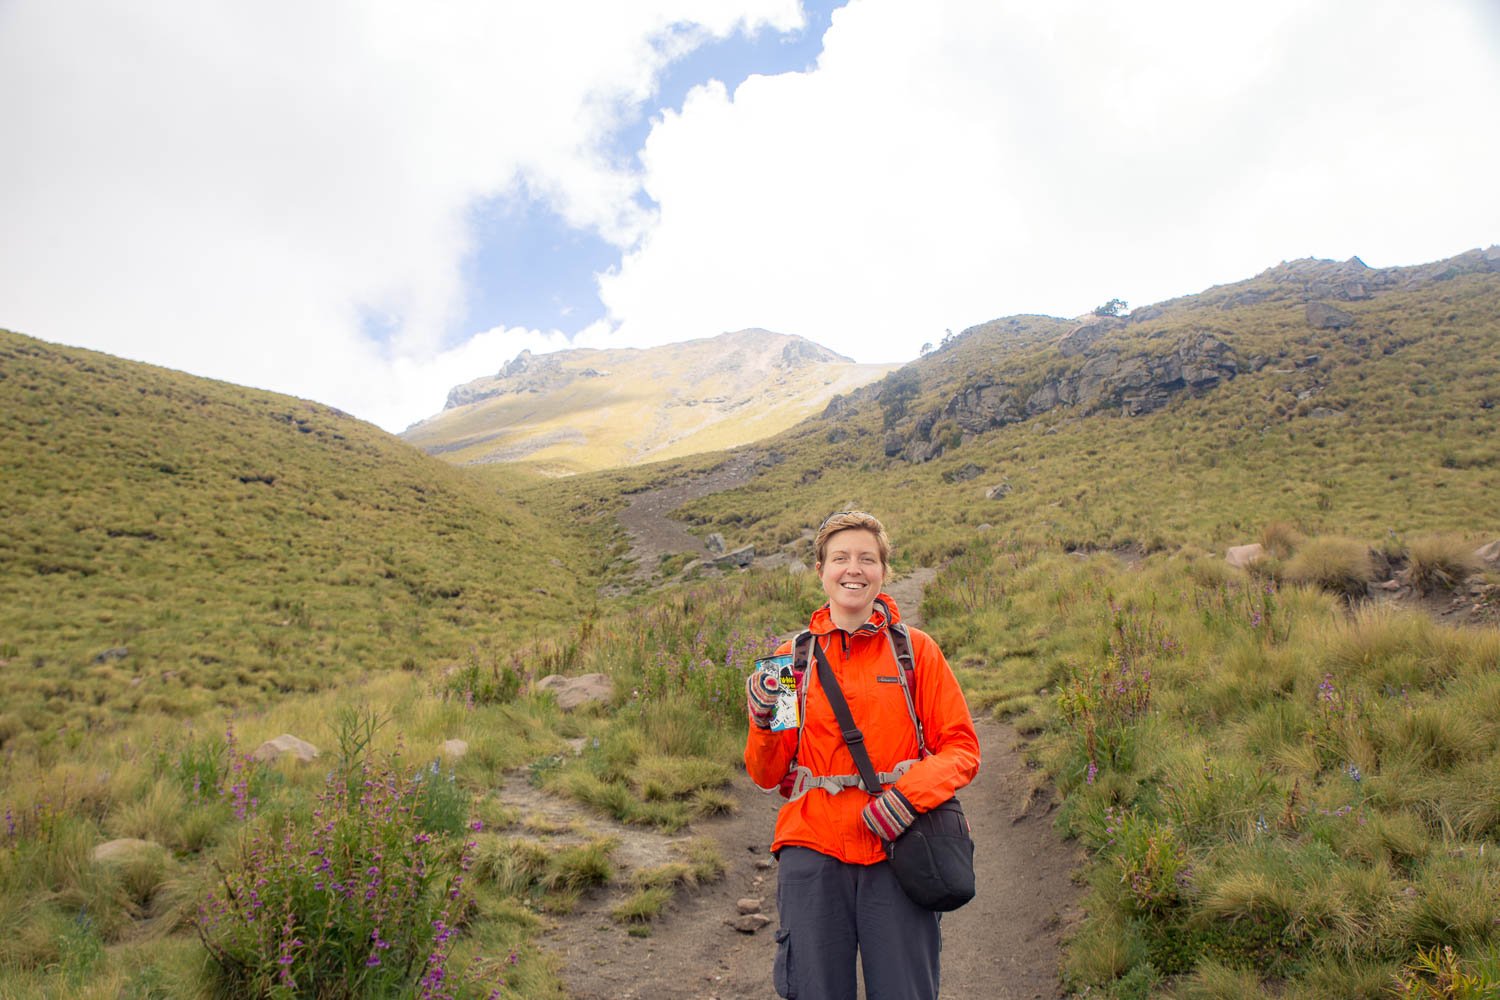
{"x": 884, "y": 613}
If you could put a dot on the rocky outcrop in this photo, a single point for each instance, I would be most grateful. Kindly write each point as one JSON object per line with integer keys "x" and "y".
{"x": 524, "y": 373}
{"x": 1132, "y": 384}
{"x": 1085, "y": 335}
{"x": 1322, "y": 316}
{"x": 804, "y": 352}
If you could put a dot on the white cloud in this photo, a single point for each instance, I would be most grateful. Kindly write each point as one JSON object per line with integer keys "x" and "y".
{"x": 237, "y": 189}
{"x": 229, "y": 188}
{"x": 959, "y": 160}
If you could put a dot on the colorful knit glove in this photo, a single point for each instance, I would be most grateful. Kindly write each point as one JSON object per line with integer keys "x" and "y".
{"x": 761, "y": 692}
{"x": 888, "y": 814}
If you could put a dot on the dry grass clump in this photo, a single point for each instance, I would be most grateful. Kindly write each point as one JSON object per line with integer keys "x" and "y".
{"x": 1440, "y": 562}
{"x": 1333, "y": 563}
{"x": 1281, "y": 539}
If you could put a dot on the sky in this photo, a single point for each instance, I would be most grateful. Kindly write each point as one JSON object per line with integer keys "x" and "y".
{"x": 365, "y": 202}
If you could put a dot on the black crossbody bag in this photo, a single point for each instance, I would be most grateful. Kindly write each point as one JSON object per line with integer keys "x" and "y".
{"x": 933, "y": 859}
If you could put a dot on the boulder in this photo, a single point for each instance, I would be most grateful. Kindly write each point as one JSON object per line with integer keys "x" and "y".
{"x": 113, "y": 653}
{"x": 1322, "y": 316}
{"x": 1489, "y": 554}
{"x": 963, "y": 474}
{"x": 285, "y": 745}
{"x": 739, "y": 558}
{"x": 125, "y": 850}
{"x": 575, "y": 692}
{"x": 999, "y": 491}
{"x": 748, "y": 905}
{"x": 455, "y": 749}
{"x": 1243, "y": 556}
{"x": 714, "y": 543}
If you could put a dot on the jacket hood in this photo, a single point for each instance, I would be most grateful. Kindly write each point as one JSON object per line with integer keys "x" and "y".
{"x": 822, "y": 619}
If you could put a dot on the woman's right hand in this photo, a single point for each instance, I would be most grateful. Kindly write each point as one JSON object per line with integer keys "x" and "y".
{"x": 761, "y": 691}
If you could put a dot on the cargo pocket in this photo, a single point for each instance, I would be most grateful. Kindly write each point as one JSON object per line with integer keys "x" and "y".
{"x": 782, "y": 974}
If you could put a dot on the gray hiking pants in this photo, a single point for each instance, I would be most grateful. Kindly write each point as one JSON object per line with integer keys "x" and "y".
{"x": 830, "y": 910}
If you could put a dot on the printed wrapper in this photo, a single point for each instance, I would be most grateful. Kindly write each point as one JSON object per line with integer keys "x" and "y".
{"x": 786, "y": 702}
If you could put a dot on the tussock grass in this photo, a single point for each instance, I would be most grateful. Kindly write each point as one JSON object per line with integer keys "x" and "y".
{"x": 1337, "y": 565}
{"x": 1440, "y": 562}
{"x": 1297, "y": 800}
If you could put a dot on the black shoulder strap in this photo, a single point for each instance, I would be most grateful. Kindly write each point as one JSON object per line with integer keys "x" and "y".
{"x": 853, "y": 738}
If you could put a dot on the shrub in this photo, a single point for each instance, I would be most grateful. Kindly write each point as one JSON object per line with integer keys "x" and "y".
{"x": 1439, "y": 563}
{"x": 1281, "y": 539}
{"x": 1338, "y": 565}
{"x": 360, "y": 903}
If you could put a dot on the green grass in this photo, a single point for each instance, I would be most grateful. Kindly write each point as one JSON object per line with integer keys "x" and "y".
{"x": 173, "y": 545}
{"x": 1280, "y": 793}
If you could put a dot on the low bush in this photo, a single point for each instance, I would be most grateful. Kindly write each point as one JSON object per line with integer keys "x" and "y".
{"x": 360, "y": 902}
{"x": 1439, "y": 563}
{"x": 1337, "y": 565}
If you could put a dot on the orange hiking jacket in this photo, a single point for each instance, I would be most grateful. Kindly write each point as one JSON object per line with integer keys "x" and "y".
{"x": 869, "y": 676}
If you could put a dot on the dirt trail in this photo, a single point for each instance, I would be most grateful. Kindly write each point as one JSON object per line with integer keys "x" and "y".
{"x": 653, "y": 534}
{"x": 1005, "y": 945}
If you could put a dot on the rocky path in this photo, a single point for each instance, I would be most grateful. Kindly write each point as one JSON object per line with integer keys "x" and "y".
{"x": 1005, "y": 945}
{"x": 653, "y": 534}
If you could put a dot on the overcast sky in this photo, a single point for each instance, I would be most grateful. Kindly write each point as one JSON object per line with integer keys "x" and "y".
{"x": 366, "y": 203}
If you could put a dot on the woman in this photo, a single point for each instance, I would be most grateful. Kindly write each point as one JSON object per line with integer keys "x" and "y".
{"x": 836, "y": 892}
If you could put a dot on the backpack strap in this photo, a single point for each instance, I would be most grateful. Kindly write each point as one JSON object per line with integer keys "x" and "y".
{"x": 900, "y": 640}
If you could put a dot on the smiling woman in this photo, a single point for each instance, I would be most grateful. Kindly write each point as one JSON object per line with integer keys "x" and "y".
{"x": 837, "y": 895}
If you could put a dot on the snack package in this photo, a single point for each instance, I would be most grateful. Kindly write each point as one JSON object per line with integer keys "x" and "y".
{"x": 786, "y": 702}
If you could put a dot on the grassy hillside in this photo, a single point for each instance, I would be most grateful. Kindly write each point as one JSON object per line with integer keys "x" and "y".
{"x": 1384, "y": 426}
{"x": 580, "y": 410}
{"x": 1279, "y": 796}
{"x": 171, "y": 543}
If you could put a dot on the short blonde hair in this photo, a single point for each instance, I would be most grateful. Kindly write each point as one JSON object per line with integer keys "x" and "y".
{"x": 843, "y": 520}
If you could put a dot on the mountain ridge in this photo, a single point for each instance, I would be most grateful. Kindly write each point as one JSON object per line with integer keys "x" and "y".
{"x": 588, "y": 408}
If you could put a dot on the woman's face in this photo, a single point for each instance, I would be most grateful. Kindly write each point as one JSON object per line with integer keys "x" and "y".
{"x": 851, "y": 572}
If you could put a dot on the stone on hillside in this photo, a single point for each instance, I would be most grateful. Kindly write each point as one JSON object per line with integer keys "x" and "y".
{"x": 986, "y": 526}
{"x": 749, "y": 923}
{"x": 739, "y": 558}
{"x": 796, "y": 566}
{"x": 714, "y": 543}
{"x": 1322, "y": 316}
{"x": 575, "y": 692}
{"x": 1489, "y": 553}
{"x": 455, "y": 749}
{"x": 1242, "y": 556}
{"x": 113, "y": 653}
{"x": 125, "y": 850}
{"x": 964, "y": 473}
{"x": 285, "y": 745}
{"x": 999, "y": 491}
{"x": 1324, "y": 412}
{"x": 748, "y": 905}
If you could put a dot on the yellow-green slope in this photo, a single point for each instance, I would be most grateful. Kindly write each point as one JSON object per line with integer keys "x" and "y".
{"x": 169, "y": 542}
{"x": 581, "y": 410}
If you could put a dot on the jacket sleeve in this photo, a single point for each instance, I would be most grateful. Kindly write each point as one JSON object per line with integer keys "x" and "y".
{"x": 953, "y": 745}
{"x": 769, "y": 755}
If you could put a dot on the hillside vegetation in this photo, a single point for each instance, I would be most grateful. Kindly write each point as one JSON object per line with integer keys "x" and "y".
{"x": 1284, "y": 790}
{"x": 579, "y": 410}
{"x": 171, "y": 544}
{"x": 1382, "y": 425}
